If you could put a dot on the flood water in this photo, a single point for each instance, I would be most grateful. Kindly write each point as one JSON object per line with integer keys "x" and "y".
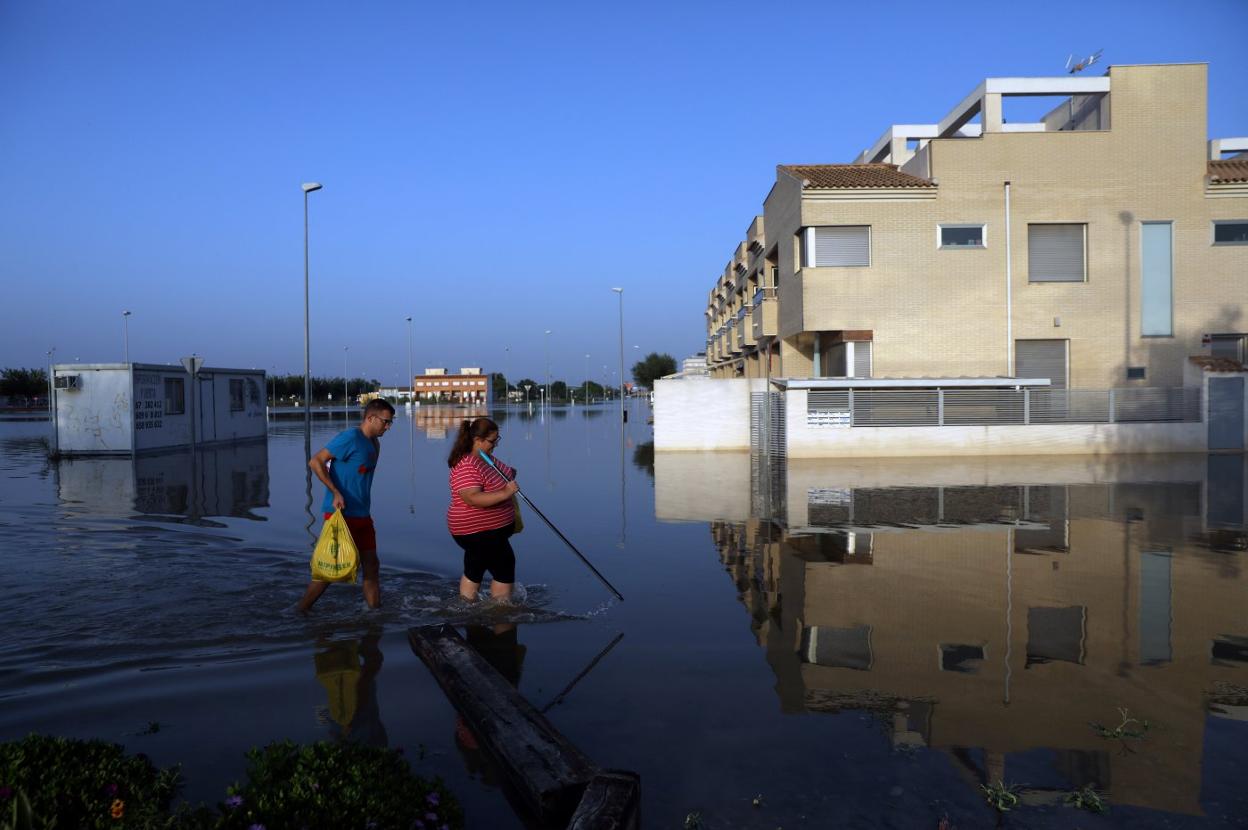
{"x": 802, "y": 644}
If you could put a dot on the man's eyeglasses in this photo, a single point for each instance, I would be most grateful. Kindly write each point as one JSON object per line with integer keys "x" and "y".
{"x": 386, "y": 421}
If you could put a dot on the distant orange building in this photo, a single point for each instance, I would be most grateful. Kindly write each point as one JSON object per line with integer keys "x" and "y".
{"x": 470, "y": 386}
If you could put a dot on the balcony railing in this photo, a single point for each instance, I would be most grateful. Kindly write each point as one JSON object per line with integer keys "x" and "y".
{"x": 763, "y": 294}
{"x": 987, "y": 407}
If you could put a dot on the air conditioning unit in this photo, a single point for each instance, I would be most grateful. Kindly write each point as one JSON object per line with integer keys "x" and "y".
{"x": 69, "y": 382}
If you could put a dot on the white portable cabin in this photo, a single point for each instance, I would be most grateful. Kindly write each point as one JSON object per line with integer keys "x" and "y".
{"x": 128, "y": 408}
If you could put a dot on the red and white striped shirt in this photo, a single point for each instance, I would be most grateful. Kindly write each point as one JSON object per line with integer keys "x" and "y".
{"x": 462, "y": 518}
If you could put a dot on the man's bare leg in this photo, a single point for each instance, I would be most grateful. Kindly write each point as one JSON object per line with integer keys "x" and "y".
{"x": 311, "y": 595}
{"x": 372, "y": 578}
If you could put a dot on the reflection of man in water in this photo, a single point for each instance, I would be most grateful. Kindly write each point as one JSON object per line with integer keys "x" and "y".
{"x": 500, "y": 646}
{"x": 352, "y": 688}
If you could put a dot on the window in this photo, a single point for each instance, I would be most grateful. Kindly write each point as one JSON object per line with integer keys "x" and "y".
{"x": 236, "y": 395}
{"x": 1229, "y": 345}
{"x": 1230, "y": 232}
{"x": 175, "y": 396}
{"x": 1055, "y": 253}
{"x": 1136, "y": 373}
{"x": 1156, "y": 279}
{"x": 964, "y": 659}
{"x": 961, "y": 236}
{"x": 840, "y": 246}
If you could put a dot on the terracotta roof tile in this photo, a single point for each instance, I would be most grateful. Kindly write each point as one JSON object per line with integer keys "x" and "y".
{"x": 1226, "y": 171}
{"x": 851, "y": 176}
{"x": 1218, "y": 364}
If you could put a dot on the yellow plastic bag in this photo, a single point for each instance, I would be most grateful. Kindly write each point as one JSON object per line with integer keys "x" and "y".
{"x": 335, "y": 558}
{"x": 518, "y": 525}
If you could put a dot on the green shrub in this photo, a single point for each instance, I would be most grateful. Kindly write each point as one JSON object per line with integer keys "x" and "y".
{"x": 88, "y": 784}
{"x": 340, "y": 785}
{"x": 59, "y": 783}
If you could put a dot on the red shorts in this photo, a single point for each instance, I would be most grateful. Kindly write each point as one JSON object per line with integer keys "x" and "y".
{"x": 362, "y": 532}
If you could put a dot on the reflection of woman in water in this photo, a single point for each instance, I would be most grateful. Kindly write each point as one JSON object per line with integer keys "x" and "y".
{"x": 500, "y": 646}
{"x": 352, "y": 688}
{"x": 482, "y": 515}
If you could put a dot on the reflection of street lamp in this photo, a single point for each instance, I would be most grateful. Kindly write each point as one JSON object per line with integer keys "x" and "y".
{"x": 527, "y": 387}
{"x": 308, "y": 187}
{"x": 125, "y": 334}
{"x": 620, "y": 293}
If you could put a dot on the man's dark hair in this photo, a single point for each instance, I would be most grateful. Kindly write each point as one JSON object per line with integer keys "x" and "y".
{"x": 376, "y": 406}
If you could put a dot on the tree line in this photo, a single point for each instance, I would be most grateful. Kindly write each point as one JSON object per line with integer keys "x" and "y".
{"x": 31, "y": 385}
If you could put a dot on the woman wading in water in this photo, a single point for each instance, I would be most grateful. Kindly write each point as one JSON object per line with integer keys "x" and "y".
{"x": 482, "y": 514}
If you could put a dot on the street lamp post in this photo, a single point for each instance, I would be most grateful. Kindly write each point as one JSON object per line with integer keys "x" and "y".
{"x": 308, "y": 187}
{"x": 620, "y": 293}
{"x": 125, "y": 334}
{"x": 586, "y": 378}
{"x": 506, "y": 369}
{"x": 346, "y": 392}
{"x": 411, "y": 388}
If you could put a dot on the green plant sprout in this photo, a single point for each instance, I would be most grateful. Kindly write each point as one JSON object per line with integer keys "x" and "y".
{"x": 999, "y": 796}
{"x": 1129, "y": 729}
{"x": 1087, "y": 798}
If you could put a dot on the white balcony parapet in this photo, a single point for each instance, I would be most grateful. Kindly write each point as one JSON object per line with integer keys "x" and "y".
{"x": 1218, "y": 146}
{"x": 987, "y": 96}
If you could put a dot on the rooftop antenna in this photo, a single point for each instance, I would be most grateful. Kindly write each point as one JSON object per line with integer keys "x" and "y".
{"x": 1083, "y": 63}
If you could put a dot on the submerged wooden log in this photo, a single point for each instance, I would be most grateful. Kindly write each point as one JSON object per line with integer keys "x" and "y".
{"x": 548, "y": 772}
{"x": 611, "y": 802}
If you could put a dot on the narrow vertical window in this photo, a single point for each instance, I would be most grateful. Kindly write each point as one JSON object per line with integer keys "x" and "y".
{"x": 1156, "y": 279}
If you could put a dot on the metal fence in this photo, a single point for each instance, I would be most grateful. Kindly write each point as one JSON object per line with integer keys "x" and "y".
{"x": 988, "y": 406}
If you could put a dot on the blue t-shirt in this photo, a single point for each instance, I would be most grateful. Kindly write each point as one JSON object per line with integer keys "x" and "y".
{"x": 355, "y": 458}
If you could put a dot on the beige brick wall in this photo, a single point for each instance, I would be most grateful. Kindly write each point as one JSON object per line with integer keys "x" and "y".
{"x": 943, "y": 312}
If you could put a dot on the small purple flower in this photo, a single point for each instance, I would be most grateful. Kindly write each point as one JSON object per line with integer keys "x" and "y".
{"x": 420, "y": 825}
{"x": 111, "y": 789}
{"x": 234, "y": 801}
{"x": 431, "y": 816}
{"x": 256, "y": 827}
{"x": 6, "y": 792}
{"x": 433, "y": 799}
{"x": 370, "y": 825}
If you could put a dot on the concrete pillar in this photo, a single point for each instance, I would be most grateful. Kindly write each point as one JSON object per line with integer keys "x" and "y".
{"x": 898, "y": 152}
{"x": 991, "y": 112}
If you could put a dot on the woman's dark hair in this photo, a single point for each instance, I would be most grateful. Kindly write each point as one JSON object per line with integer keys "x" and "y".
{"x": 468, "y": 430}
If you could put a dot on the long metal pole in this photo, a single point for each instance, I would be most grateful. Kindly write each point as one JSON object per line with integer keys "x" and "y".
{"x": 346, "y": 393}
{"x": 125, "y": 337}
{"x": 307, "y": 352}
{"x": 587, "y": 379}
{"x": 411, "y": 387}
{"x": 551, "y": 525}
{"x": 621, "y": 293}
{"x": 1009, "y": 290}
{"x": 546, "y": 397}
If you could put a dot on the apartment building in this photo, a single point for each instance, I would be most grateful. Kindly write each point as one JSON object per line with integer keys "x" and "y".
{"x": 470, "y": 386}
{"x": 1097, "y": 247}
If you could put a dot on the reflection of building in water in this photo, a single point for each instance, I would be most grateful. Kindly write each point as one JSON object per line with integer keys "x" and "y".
{"x": 1007, "y": 618}
{"x": 228, "y": 480}
{"x": 436, "y": 421}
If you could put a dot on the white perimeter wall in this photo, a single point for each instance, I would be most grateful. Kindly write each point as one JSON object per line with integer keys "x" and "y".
{"x": 693, "y": 414}
{"x": 1010, "y": 439}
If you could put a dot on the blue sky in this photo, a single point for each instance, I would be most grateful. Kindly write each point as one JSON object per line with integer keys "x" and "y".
{"x": 491, "y": 169}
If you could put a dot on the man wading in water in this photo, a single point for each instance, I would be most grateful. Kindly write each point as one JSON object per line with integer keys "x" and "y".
{"x": 349, "y": 483}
